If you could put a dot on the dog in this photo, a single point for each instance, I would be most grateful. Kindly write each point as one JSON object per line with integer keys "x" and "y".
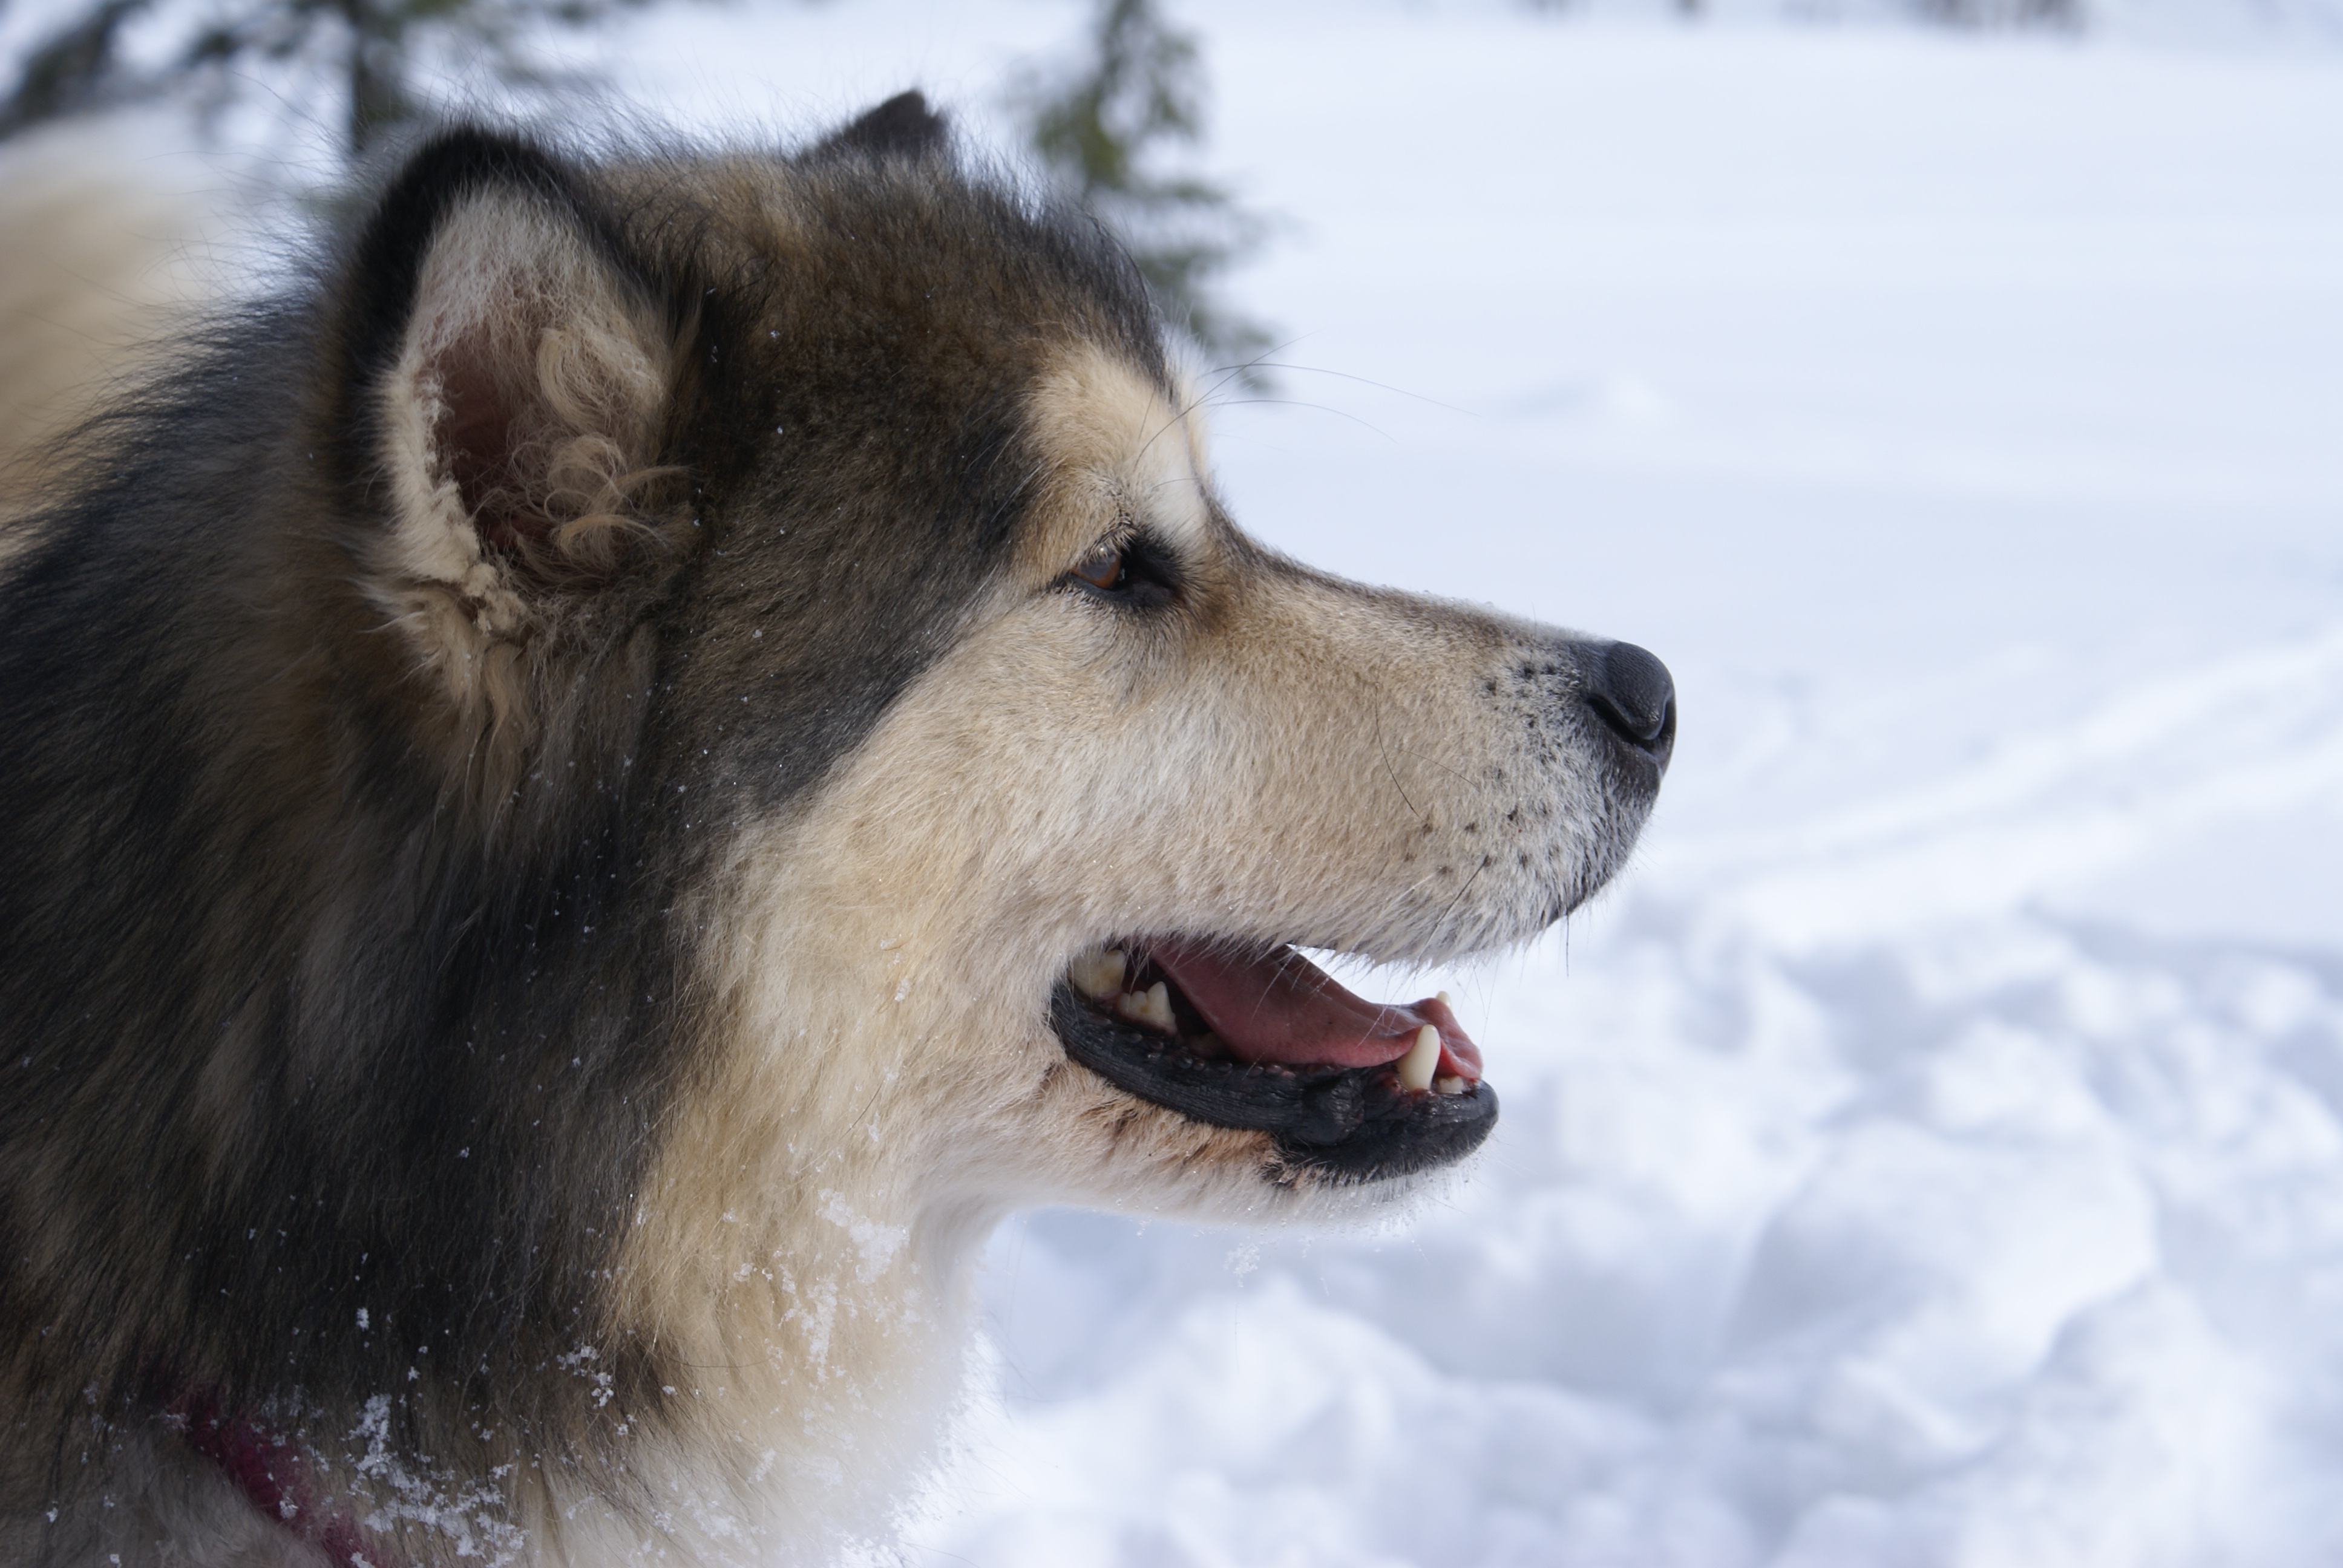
{"x": 591, "y": 798}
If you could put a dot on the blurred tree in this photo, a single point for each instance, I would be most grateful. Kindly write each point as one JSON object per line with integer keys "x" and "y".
{"x": 2004, "y": 12}
{"x": 65, "y": 74}
{"x": 370, "y": 48}
{"x": 1102, "y": 128}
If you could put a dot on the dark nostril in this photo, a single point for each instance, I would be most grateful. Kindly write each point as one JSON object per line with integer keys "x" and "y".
{"x": 1630, "y": 690}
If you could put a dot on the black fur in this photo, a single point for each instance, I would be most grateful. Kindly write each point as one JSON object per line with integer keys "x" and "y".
{"x": 902, "y": 126}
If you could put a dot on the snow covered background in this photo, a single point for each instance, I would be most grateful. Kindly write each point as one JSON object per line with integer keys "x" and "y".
{"x": 1932, "y": 1152}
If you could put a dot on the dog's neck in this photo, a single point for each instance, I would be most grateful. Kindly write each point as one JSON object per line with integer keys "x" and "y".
{"x": 820, "y": 1349}
{"x": 811, "y": 1385}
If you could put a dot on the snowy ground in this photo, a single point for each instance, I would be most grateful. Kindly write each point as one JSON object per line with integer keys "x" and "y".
{"x": 1934, "y": 1152}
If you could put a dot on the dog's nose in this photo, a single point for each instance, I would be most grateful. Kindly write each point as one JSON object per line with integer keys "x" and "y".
{"x": 1631, "y": 691}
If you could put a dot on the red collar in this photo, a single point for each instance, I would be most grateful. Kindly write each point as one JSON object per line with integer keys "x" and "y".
{"x": 272, "y": 1474}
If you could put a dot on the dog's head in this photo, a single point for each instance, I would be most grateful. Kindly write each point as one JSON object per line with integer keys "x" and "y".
{"x": 844, "y": 517}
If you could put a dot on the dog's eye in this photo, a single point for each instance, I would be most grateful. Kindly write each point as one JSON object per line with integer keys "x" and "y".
{"x": 1103, "y": 567}
{"x": 1131, "y": 570}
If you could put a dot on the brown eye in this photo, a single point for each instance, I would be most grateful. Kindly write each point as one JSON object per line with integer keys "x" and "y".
{"x": 1103, "y": 567}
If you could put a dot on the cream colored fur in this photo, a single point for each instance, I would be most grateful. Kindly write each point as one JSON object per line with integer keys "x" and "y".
{"x": 103, "y": 255}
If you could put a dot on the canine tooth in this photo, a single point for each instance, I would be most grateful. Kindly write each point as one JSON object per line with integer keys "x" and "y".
{"x": 1151, "y": 1007}
{"x": 1415, "y": 1069}
{"x": 1443, "y": 998}
{"x": 1449, "y": 1085}
{"x": 1098, "y": 974}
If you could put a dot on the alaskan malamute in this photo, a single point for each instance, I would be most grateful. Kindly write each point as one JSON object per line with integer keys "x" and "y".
{"x": 588, "y": 802}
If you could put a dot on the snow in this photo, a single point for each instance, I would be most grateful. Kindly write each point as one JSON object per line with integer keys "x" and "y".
{"x": 1932, "y": 1152}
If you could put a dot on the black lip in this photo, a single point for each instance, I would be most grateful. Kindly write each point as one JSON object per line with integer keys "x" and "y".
{"x": 1355, "y": 1122}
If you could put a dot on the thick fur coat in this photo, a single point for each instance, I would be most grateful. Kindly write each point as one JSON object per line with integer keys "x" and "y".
{"x": 565, "y": 789}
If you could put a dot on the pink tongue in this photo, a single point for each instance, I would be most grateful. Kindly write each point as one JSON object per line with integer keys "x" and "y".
{"x": 1285, "y": 1009}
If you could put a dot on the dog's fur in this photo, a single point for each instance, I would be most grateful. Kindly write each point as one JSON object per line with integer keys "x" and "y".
{"x": 101, "y": 257}
{"x": 550, "y": 782}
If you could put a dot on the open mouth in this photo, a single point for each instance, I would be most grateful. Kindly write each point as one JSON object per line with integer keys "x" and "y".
{"x": 1272, "y": 1043}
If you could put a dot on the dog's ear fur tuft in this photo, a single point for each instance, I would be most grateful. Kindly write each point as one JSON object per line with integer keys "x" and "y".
{"x": 513, "y": 378}
{"x": 904, "y": 127}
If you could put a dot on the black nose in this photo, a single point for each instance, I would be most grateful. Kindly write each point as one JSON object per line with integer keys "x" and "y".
{"x": 1631, "y": 691}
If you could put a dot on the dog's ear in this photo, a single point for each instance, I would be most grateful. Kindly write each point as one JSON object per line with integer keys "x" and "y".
{"x": 512, "y": 377}
{"x": 904, "y": 127}
{"x": 523, "y": 370}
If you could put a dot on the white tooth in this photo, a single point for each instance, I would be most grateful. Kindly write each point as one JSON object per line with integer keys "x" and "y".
{"x": 1443, "y": 998}
{"x": 1098, "y": 974}
{"x": 1449, "y": 1085}
{"x": 1151, "y": 1007}
{"x": 1415, "y": 1069}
